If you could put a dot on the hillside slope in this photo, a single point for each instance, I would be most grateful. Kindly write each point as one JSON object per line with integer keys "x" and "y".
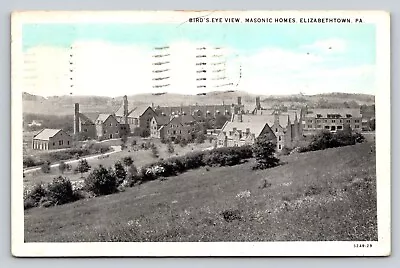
{"x": 324, "y": 195}
{"x": 60, "y": 105}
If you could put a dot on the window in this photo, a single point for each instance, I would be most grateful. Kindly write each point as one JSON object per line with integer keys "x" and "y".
{"x": 54, "y": 144}
{"x": 60, "y": 142}
{"x": 309, "y": 126}
{"x": 117, "y": 131}
{"x": 357, "y": 126}
{"x": 279, "y": 146}
{"x": 276, "y": 130}
{"x": 279, "y": 138}
{"x": 319, "y": 126}
{"x": 318, "y": 121}
{"x": 348, "y": 121}
{"x": 339, "y": 127}
{"x": 333, "y": 121}
{"x": 85, "y": 130}
{"x": 310, "y": 121}
{"x": 356, "y": 121}
{"x": 327, "y": 127}
{"x": 326, "y": 121}
{"x": 341, "y": 121}
{"x": 110, "y": 124}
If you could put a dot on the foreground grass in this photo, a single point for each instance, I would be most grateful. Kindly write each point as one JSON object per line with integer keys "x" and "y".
{"x": 324, "y": 195}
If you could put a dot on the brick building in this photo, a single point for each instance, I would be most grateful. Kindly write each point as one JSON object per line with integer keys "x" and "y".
{"x": 331, "y": 119}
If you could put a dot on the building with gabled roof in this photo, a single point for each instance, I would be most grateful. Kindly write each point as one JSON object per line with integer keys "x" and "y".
{"x": 239, "y": 132}
{"x": 174, "y": 127}
{"x": 51, "y": 139}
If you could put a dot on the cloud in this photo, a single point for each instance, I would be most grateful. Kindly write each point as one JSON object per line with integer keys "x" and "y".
{"x": 332, "y": 45}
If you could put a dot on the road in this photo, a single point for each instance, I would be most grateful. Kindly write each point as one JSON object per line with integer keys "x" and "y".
{"x": 115, "y": 149}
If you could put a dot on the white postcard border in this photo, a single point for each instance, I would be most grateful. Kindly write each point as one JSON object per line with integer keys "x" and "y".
{"x": 382, "y": 247}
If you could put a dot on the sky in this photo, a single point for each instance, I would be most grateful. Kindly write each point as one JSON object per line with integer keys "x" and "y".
{"x": 270, "y": 59}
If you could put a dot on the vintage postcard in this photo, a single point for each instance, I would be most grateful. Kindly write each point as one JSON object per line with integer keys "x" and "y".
{"x": 201, "y": 133}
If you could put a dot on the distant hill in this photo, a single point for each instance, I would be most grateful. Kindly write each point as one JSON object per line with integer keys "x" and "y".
{"x": 63, "y": 105}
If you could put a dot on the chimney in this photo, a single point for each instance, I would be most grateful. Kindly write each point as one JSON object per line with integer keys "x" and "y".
{"x": 239, "y": 100}
{"x": 76, "y": 119}
{"x": 125, "y": 109}
{"x": 258, "y": 103}
{"x": 239, "y": 117}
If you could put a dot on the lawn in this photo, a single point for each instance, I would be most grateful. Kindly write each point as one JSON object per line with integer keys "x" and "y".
{"x": 140, "y": 158}
{"x": 314, "y": 196}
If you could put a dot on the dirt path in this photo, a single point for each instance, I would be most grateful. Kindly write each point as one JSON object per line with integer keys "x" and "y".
{"x": 115, "y": 149}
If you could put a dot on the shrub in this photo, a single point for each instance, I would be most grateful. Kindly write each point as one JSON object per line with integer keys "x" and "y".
{"x": 134, "y": 142}
{"x": 177, "y": 140}
{"x": 34, "y": 196}
{"x": 132, "y": 176}
{"x": 285, "y": 151}
{"x": 45, "y": 167}
{"x": 183, "y": 142}
{"x": 263, "y": 151}
{"x": 326, "y": 139}
{"x": 200, "y": 137}
{"x": 155, "y": 152}
{"x": 101, "y": 181}
{"x": 60, "y": 191}
{"x": 193, "y": 160}
{"x": 120, "y": 172}
{"x": 30, "y": 162}
{"x": 83, "y": 166}
{"x": 128, "y": 161}
{"x": 227, "y": 156}
{"x": 170, "y": 148}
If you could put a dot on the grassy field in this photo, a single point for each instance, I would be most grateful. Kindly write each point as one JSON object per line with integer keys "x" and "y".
{"x": 140, "y": 158}
{"x": 323, "y": 195}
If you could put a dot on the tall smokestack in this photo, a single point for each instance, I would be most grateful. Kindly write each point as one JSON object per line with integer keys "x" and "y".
{"x": 76, "y": 119}
{"x": 125, "y": 109}
{"x": 258, "y": 103}
{"x": 239, "y": 100}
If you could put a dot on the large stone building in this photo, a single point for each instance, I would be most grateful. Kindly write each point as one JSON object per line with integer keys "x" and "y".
{"x": 51, "y": 139}
{"x": 135, "y": 116}
{"x": 102, "y": 126}
{"x": 331, "y": 119}
{"x": 286, "y": 127}
{"x": 174, "y": 127}
{"x": 240, "y": 132}
{"x": 202, "y": 112}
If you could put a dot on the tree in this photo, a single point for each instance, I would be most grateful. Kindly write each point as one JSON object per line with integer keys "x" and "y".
{"x": 124, "y": 139}
{"x": 170, "y": 148}
{"x": 120, "y": 172}
{"x": 63, "y": 166}
{"x": 200, "y": 137}
{"x": 46, "y": 167}
{"x": 263, "y": 151}
{"x": 83, "y": 166}
{"x": 154, "y": 151}
{"x": 128, "y": 161}
{"x": 132, "y": 175}
{"x": 220, "y": 120}
{"x": 371, "y": 124}
{"x": 183, "y": 142}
